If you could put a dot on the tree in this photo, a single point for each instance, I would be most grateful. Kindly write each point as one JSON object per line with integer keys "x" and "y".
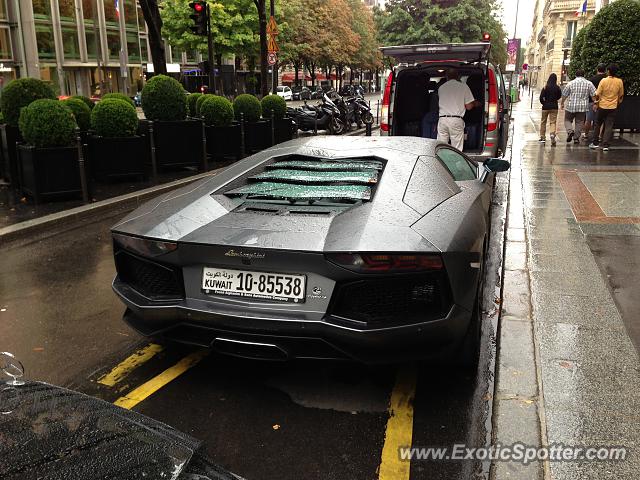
{"x": 406, "y": 22}
{"x": 613, "y": 36}
{"x": 232, "y": 27}
{"x": 151, "y": 14}
{"x": 261, "y": 7}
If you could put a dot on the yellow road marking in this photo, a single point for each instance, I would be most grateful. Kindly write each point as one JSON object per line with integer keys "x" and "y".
{"x": 137, "y": 395}
{"x": 399, "y": 432}
{"x": 125, "y": 367}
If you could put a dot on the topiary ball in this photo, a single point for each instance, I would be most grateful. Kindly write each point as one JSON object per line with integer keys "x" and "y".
{"x": 114, "y": 117}
{"x": 163, "y": 98}
{"x": 249, "y": 105}
{"x": 216, "y": 111}
{"x": 20, "y": 93}
{"x": 120, "y": 96}
{"x": 87, "y": 101}
{"x": 200, "y": 100}
{"x": 192, "y": 98}
{"x": 81, "y": 112}
{"x": 275, "y": 104}
{"x": 47, "y": 123}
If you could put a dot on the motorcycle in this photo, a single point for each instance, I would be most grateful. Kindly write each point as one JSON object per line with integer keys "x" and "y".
{"x": 324, "y": 116}
{"x": 363, "y": 112}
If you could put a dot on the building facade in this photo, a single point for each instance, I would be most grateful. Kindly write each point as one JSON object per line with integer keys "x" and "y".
{"x": 82, "y": 47}
{"x": 555, "y": 25}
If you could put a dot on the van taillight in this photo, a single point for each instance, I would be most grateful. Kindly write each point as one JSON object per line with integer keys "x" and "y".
{"x": 386, "y": 101}
{"x": 492, "y": 124}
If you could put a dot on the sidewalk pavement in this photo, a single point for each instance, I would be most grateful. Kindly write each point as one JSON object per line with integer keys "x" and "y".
{"x": 567, "y": 365}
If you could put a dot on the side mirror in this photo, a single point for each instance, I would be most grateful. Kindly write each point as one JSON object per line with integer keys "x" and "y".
{"x": 497, "y": 165}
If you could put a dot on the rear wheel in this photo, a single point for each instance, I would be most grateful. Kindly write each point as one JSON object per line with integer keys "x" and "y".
{"x": 368, "y": 118}
{"x": 336, "y": 127}
{"x": 469, "y": 351}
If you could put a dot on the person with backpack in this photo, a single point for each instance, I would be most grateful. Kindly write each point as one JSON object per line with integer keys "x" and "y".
{"x": 549, "y": 97}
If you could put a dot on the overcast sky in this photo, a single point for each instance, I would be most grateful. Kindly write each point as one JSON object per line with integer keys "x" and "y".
{"x": 525, "y": 17}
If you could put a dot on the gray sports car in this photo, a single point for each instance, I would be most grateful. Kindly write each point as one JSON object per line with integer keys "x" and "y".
{"x": 366, "y": 248}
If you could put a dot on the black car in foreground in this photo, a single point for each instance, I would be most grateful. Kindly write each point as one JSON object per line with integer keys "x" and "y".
{"x": 326, "y": 247}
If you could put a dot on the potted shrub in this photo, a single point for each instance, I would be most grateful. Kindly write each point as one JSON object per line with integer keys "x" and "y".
{"x": 16, "y": 95}
{"x": 192, "y": 98}
{"x": 81, "y": 112}
{"x": 257, "y": 133}
{"x": 119, "y": 96}
{"x": 273, "y": 105}
{"x": 178, "y": 141}
{"x": 223, "y": 134}
{"x": 199, "y": 101}
{"x": 87, "y": 101}
{"x": 48, "y": 162}
{"x": 115, "y": 150}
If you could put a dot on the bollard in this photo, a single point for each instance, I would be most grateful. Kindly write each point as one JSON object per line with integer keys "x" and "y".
{"x": 273, "y": 128}
{"x": 242, "y": 148}
{"x": 81, "y": 167}
{"x": 367, "y": 129}
{"x": 378, "y": 112}
{"x": 152, "y": 143}
{"x": 315, "y": 123}
{"x": 205, "y": 164}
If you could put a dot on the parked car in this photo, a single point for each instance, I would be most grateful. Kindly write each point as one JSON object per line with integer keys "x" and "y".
{"x": 321, "y": 247}
{"x": 284, "y": 92}
{"x": 410, "y": 88}
{"x": 317, "y": 93}
{"x": 301, "y": 93}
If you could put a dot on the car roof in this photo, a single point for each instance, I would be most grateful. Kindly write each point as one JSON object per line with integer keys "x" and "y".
{"x": 439, "y": 52}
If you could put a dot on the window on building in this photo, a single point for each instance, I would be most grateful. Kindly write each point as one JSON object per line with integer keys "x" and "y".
{"x": 67, "y": 10}
{"x": 572, "y": 29}
{"x": 144, "y": 51}
{"x": 176, "y": 55}
{"x": 44, "y": 39}
{"x": 113, "y": 44}
{"x": 142, "y": 26}
{"x": 110, "y": 15}
{"x": 70, "y": 42}
{"x": 5, "y": 44}
{"x": 90, "y": 36}
{"x": 3, "y": 10}
{"x": 87, "y": 9}
{"x": 133, "y": 47}
{"x": 42, "y": 9}
{"x": 130, "y": 18}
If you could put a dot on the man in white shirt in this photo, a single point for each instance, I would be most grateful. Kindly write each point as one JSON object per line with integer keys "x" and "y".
{"x": 455, "y": 98}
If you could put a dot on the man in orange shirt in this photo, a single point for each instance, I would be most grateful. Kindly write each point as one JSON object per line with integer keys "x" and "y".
{"x": 608, "y": 97}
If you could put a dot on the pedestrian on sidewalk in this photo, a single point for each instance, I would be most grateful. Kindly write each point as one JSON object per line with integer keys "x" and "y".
{"x": 549, "y": 97}
{"x": 591, "y": 113}
{"x": 608, "y": 98}
{"x": 576, "y": 95}
{"x": 454, "y": 98}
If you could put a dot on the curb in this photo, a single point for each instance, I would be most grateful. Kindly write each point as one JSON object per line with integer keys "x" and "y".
{"x": 102, "y": 208}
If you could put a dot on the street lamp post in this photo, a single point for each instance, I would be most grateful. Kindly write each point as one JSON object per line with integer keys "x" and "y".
{"x": 274, "y": 76}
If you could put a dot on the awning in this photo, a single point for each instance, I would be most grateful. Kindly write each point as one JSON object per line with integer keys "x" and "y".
{"x": 171, "y": 68}
{"x": 291, "y": 77}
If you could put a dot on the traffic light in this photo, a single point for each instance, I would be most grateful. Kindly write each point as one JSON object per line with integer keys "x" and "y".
{"x": 199, "y": 17}
{"x": 486, "y": 37}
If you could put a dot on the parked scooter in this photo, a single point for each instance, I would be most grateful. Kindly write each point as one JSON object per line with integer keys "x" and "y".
{"x": 324, "y": 116}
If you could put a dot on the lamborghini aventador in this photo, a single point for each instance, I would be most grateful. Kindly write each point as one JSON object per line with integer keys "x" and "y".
{"x": 358, "y": 248}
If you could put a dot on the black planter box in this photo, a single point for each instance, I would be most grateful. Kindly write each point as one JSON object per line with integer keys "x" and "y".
{"x": 10, "y": 137}
{"x": 178, "y": 144}
{"x": 627, "y": 115}
{"x": 53, "y": 173}
{"x": 223, "y": 141}
{"x": 283, "y": 130}
{"x": 257, "y": 136}
{"x": 111, "y": 158}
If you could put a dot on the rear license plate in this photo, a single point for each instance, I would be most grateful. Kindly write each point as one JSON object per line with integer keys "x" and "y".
{"x": 281, "y": 287}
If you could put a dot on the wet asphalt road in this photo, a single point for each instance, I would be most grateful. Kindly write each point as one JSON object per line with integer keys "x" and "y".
{"x": 311, "y": 420}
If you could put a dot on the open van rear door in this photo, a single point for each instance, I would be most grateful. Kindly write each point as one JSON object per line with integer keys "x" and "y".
{"x": 439, "y": 52}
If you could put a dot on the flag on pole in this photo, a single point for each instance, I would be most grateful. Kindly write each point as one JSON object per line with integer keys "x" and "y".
{"x": 581, "y": 10}
{"x": 117, "y": 5}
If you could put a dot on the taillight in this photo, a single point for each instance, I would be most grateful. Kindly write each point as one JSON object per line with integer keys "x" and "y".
{"x": 144, "y": 246}
{"x": 386, "y": 101}
{"x": 492, "y": 124}
{"x": 386, "y": 263}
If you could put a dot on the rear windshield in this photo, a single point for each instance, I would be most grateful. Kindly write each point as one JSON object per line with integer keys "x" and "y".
{"x": 308, "y": 179}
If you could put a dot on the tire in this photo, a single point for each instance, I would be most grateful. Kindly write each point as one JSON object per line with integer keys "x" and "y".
{"x": 368, "y": 118}
{"x": 469, "y": 351}
{"x": 336, "y": 127}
